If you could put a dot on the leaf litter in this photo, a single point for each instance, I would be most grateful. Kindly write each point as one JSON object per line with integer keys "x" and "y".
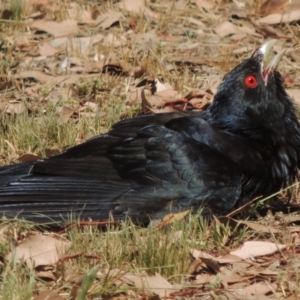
{"x": 162, "y": 57}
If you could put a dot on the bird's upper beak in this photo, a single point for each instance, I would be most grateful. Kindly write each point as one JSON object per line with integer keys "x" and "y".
{"x": 262, "y": 53}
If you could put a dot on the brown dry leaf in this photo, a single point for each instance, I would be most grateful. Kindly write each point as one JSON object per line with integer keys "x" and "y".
{"x": 204, "y": 278}
{"x": 46, "y": 49}
{"x": 48, "y": 295}
{"x": 199, "y": 100}
{"x": 163, "y": 110}
{"x": 231, "y": 277}
{"x": 252, "y": 225}
{"x": 272, "y": 31}
{"x": 91, "y": 106}
{"x": 198, "y": 254}
{"x": 155, "y": 284}
{"x": 207, "y": 5}
{"x": 241, "y": 50}
{"x": 67, "y": 27}
{"x": 290, "y": 218}
{"x": 165, "y": 94}
{"x": 272, "y": 6}
{"x": 227, "y": 28}
{"x": 268, "y": 273}
{"x": 108, "y": 19}
{"x": 295, "y": 94}
{"x": 46, "y": 275}
{"x": 65, "y": 113}
{"x": 290, "y": 13}
{"x": 71, "y": 275}
{"x": 278, "y": 18}
{"x": 77, "y": 12}
{"x": 228, "y": 259}
{"x": 258, "y": 227}
{"x": 30, "y": 3}
{"x": 257, "y": 248}
{"x": 241, "y": 266}
{"x": 196, "y": 22}
{"x": 179, "y": 4}
{"x": 28, "y": 157}
{"x": 12, "y": 107}
{"x": 82, "y": 44}
{"x": 39, "y": 250}
{"x": 195, "y": 267}
{"x": 169, "y": 95}
{"x": 171, "y": 218}
{"x": 116, "y": 276}
{"x": 259, "y": 288}
{"x": 76, "y": 287}
{"x": 50, "y": 80}
{"x": 138, "y": 6}
{"x": 149, "y": 101}
{"x": 162, "y": 86}
{"x": 5, "y": 85}
{"x": 209, "y": 260}
{"x": 115, "y": 40}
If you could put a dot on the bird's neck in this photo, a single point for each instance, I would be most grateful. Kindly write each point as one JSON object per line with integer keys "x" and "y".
{"x": 277, "y": 136}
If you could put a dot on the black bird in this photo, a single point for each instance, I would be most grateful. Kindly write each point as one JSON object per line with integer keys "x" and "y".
{"x": 246, "y": 144}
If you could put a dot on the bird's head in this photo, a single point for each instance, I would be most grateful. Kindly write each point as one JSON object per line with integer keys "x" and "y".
{"x": 251, "y": 101}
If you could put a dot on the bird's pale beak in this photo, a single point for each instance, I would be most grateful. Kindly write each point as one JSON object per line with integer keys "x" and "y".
{"x": 262, "y": 54}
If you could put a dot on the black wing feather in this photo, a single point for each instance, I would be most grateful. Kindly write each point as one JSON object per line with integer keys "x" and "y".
{"x": 150, "y": 170}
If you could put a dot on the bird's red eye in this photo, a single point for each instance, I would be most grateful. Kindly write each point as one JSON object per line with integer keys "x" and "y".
{"x": 250, "y": 81}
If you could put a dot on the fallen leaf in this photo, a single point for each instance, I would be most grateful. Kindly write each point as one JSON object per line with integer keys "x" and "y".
{"x": 290, "y": 218}
{"x": 228, "y": 259}
{"x": 197, "y": 22}
{"x": 46, "y": 49}
{"x": 227, "y": 28}
{"x": 295, "y": 94}
{"x": 28, "y": 157}
{"x": 75, "y": 44}
{"x": 272, "y": 6}
{"x": 5, "y": 85}
{"x": 56, "y": 29}
{"x": 48, "y": 295}
{"x": 257, "y": 248}
{"x": 278, "y": 18}
{"x": 138, "y": 6}
{"x": 289, "y": 12}
{"x": 65, "y": 113}
{"x": 46, "y": 275}
{"x": 155, "y": 284}
{"x": 250, "y": 224}
{"x": 12, "y": 107}
{"x": 259, "y": 288}
{"x": 77, "y": 12}
{"x": 112, "y": 39}
{"x": 204, "y": 278}
{"x": 107, "y": 19}
{"x": 231, "y": 278}
{"x": 50, "y": 80}
{"x": 37, "y": 250}
{"x": 209, "y": 260}
{"x": 171, "y": 218}
{"x": 207, "y": 5}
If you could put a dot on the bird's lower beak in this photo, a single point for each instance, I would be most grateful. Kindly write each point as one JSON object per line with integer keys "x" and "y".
{"x": 262, "y": 54}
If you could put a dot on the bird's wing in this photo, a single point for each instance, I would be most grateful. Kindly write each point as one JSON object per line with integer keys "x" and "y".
{"x": 135, "y": 169}
{"x": 253, "y": 160}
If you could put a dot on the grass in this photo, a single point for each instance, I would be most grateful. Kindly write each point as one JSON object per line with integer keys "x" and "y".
{"x": 128, "y": 248}
{"x": 41, "y": 127}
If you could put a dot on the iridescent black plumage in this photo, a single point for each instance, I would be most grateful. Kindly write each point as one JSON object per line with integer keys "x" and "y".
{"x": 246, "y": 144}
